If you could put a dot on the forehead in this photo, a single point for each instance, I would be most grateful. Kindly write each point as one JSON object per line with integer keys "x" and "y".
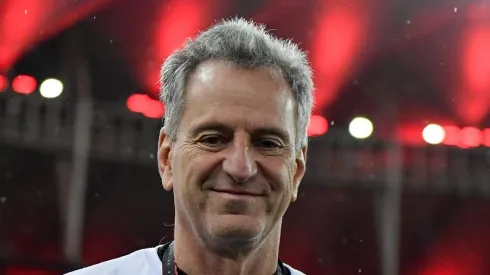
{"x": 221, "y": 92}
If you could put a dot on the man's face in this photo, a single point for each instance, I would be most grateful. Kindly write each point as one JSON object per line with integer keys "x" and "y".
{"x": 233, "y": 168}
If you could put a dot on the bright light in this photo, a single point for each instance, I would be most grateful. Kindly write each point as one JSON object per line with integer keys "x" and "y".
{"x": 318, "y": 126}
{"x": 433, "y": 134}
{"x": 361, "y": 127}
{"x": 51, "y": 88}
{"x": 24, "y": 84}
{"x": 141, "y": 103}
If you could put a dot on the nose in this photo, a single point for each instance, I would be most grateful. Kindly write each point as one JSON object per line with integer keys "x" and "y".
{"x": 239, "y": 163}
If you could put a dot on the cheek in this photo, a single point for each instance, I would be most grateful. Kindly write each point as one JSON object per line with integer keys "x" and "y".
{"x": 193, "y": 167}
{"x": 282, "y": 173}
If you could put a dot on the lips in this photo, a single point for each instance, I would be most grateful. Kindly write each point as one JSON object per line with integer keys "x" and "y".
{"x": 237, "y": 192}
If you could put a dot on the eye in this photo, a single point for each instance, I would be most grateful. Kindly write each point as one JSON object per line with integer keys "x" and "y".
{"x": 213, "y": 141}
{"x": 268, "y": 145}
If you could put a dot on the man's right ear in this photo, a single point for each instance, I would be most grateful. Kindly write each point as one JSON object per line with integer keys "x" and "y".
{"x": 165, "y": 159}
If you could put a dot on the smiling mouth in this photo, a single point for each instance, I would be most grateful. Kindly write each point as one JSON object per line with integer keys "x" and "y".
{"x": 237, "y": 193}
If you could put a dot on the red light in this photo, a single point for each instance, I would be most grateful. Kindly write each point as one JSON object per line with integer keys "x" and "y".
{"x": 471, "y": 137}
{"x": 154, "y": 109}
{"x": 137, "y": 103}
{"x": 20, "y": 26}
{"x": 4, "y": 82}
{"x": 24, "y": 84}
{"x": 177, "y": 22}
{"x": 486, "y": 137}
{"x": 318, "y": 126}
{"x": 140, "y": 103}
{"x": 452, "y": 135}
{"x": 340, "y": 34}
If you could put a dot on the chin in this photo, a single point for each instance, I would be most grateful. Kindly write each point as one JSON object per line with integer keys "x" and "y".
{"x": 236, "y": 230}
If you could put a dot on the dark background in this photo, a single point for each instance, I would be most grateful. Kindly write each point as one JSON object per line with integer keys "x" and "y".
{"x": 390, "y": 204}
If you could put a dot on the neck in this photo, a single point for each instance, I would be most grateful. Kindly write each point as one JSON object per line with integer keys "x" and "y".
{"x": 194, "y": 256}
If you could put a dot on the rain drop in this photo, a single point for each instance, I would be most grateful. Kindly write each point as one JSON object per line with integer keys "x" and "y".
{"x": 455, "y": 9}
{"x": 3, "y": 199}
{"x": 409, "y": 22}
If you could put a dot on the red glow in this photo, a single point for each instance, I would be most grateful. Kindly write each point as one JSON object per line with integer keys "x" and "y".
{"x": 443, "y": 269}
{"x": 409, "y": 134}
{"x": 18, "y": 25}
{"x": 177, "y": 21}
{"x": 486, "y": 137}
{"x": 466, "y": 137}
{"x": 452, "y": 135}
{"x": 318, "y": 126}
{"x": 137, "y": 102}
{"x": 4, "y": 83}
{"x": 154, "y": 109}
{"x": 24, "y": 84}
{"x": 478, "y": 12}
{"x": 461, "y": 247}
{"x": 24, "y": 22}
{"x": 338, "y": 39}
{"x": 470, "y": 137}
{"x": 473, "y": 98}
{"x": 140, "y": 103}
{"x": 477, "y": 58}
{"x": 74, "y": 11}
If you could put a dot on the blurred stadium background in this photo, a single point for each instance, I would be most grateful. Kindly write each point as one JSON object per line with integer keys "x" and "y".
{"x": 398, "y": 177}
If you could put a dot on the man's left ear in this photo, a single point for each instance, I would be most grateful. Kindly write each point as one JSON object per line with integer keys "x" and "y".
{"x": 165, "y": 159}
{"x": 300, "y": 171}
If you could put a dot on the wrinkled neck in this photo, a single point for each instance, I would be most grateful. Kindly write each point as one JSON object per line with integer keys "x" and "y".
{"x": 194, "y": 255}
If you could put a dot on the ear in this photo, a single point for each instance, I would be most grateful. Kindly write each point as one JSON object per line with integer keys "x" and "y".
{"x": 165, "y": 159}
{"x": 300, "y": 171}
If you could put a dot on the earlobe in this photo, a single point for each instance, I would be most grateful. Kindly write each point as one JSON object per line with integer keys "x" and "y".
{"x": 164, "y": 160}
{"x": 300, "y": 172}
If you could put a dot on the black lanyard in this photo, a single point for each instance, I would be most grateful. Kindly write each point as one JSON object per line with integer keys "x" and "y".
{"x": 168, "y": 261}
{"x": 170, "y": 268}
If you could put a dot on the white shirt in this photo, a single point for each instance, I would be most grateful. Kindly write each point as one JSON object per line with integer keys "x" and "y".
{"x": 141, "y": 262}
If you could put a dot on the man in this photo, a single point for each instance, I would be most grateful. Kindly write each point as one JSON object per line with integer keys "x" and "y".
{"x": 232, "y": 150}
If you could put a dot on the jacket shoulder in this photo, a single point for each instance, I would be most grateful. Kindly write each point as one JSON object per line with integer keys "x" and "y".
{"x": 293, "y": 271}
{"x": 143, "y": 262}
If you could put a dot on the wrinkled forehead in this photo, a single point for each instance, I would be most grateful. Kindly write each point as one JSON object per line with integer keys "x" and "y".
{"x": 206, "y": 70}
{"x": 238, "y": 97}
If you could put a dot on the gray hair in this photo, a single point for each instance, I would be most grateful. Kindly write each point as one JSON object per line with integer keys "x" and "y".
{"x": 244, "y": 44}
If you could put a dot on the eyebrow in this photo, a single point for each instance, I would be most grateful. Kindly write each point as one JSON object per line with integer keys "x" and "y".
{"x": 274, "y": 131}
{"x": 255, "y": 132}
{"x": 211, "y": 126}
